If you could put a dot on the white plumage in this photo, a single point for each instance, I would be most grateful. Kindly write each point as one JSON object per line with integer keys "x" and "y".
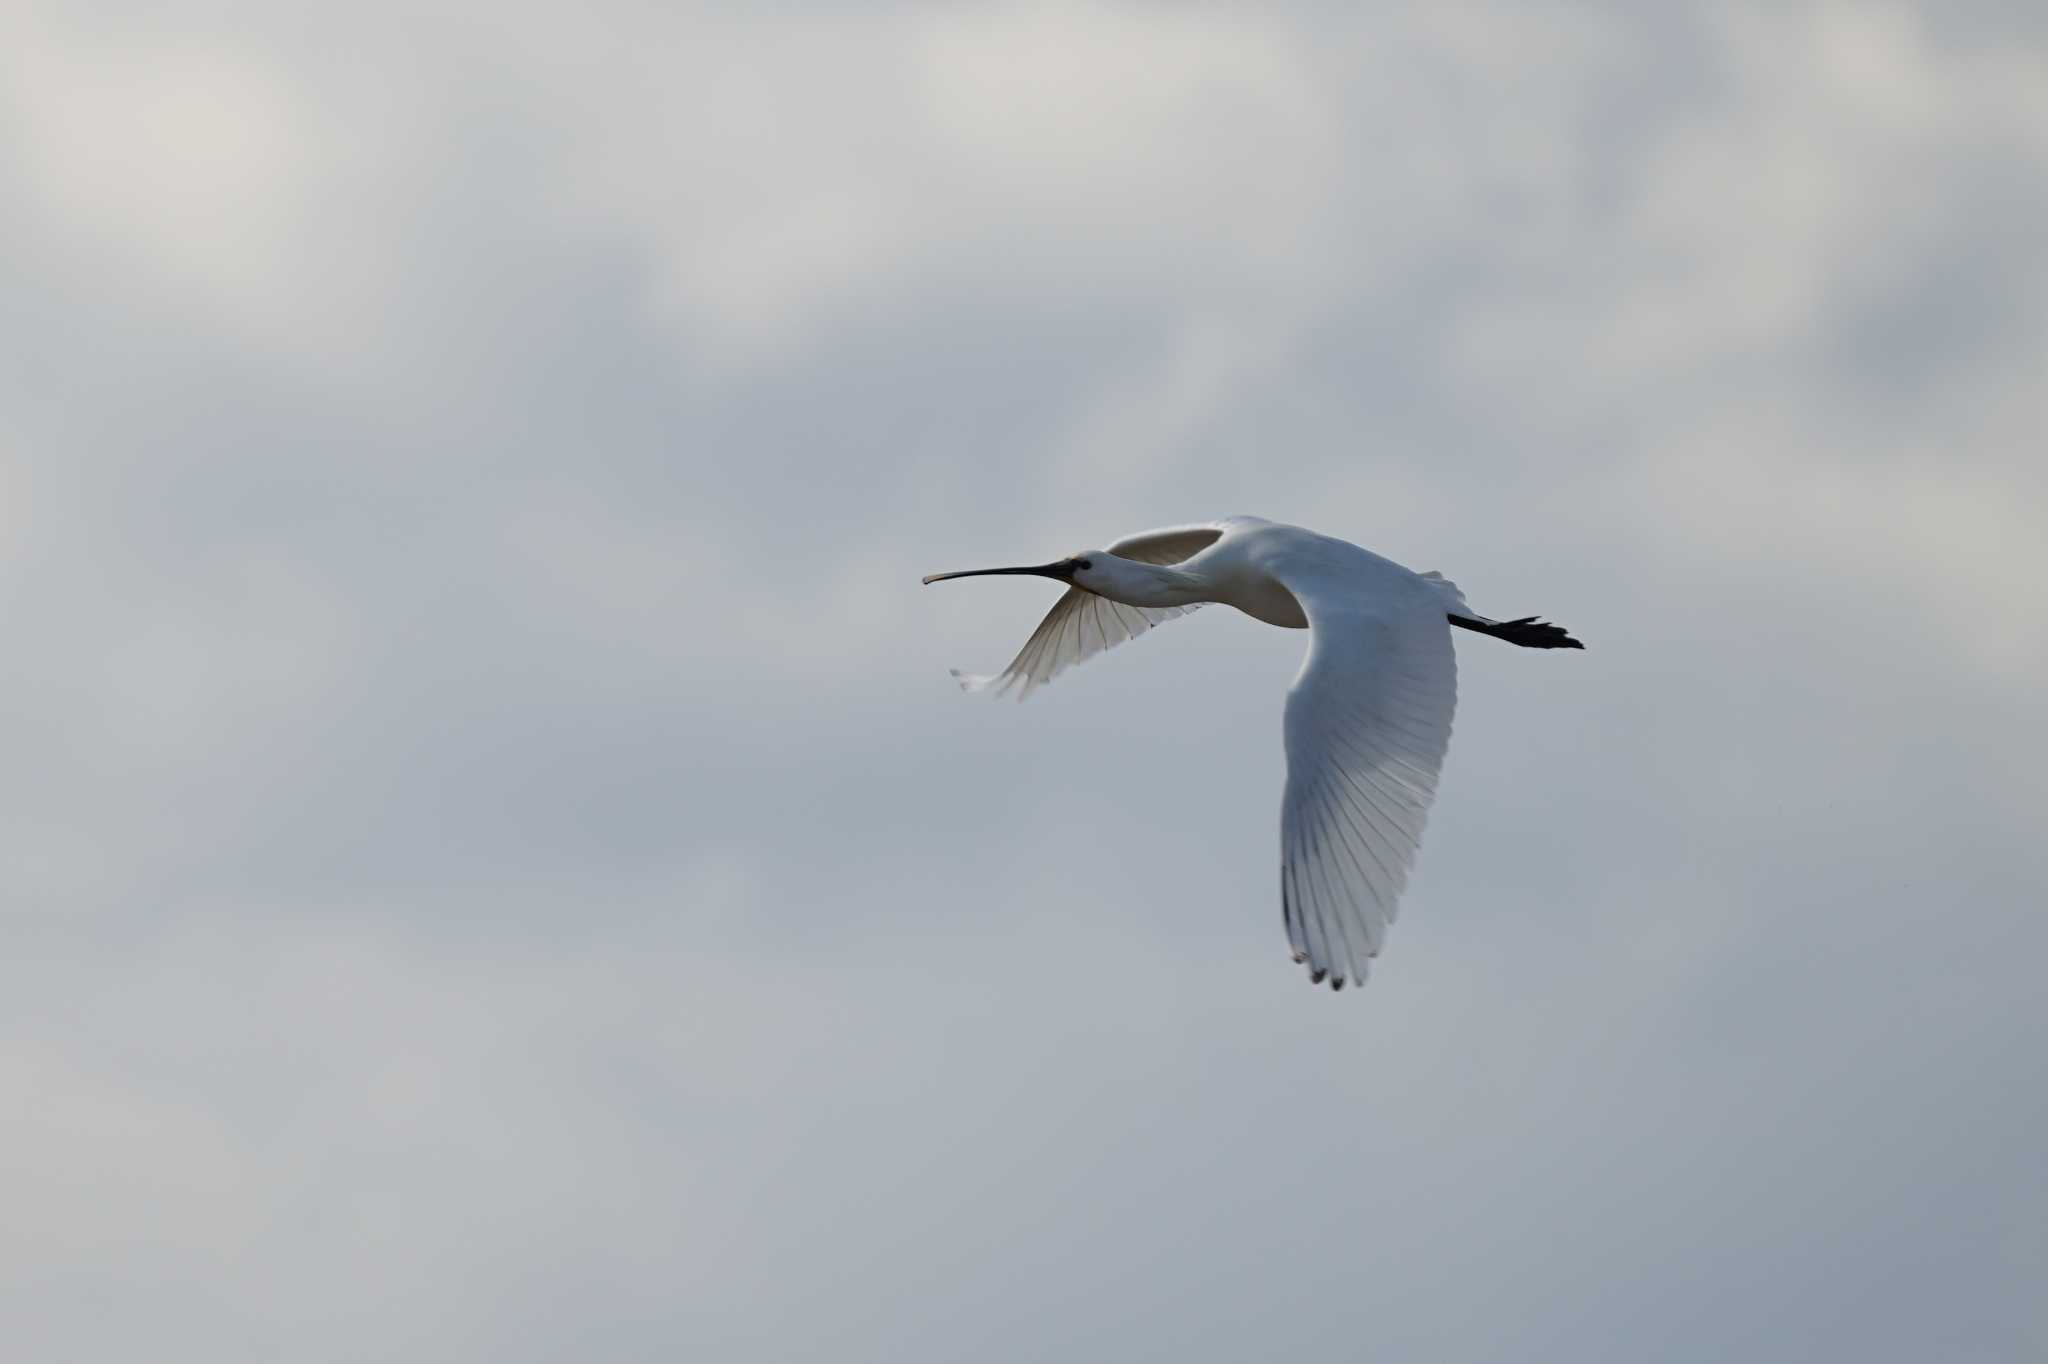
{"x": 1368, "y": 718}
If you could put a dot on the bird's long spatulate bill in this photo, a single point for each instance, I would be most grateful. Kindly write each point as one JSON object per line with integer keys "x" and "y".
{"x": 1062, "y": 570}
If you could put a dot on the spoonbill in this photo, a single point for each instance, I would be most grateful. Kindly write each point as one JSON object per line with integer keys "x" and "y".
{"x": 1368, "y": 718}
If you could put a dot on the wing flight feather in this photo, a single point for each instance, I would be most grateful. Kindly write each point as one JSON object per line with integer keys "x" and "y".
{"x": 1079, "y": 626}
{"x": 1368, "y": 722}
{"x": 1082, "y": 625}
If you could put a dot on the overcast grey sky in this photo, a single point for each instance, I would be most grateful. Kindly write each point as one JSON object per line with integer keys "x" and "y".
{"x": 494, "y": 867}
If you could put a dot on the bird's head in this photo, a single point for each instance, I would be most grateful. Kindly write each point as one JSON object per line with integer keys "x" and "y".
{"x": 1106, "y": 575}
{"x": 1092, "y": 570}
{"x": 1067, "y": 570}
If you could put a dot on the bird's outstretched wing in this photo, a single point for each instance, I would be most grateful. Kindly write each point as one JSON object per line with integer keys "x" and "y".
{"x": 1368, "y": 721}
{"x": 1082, "y": 625}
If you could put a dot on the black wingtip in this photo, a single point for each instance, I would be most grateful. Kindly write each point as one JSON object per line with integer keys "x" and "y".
{"x": 1529, "y": 632}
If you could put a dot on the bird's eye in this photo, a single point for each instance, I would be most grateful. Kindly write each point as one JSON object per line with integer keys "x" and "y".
{"x": 1083, "y": 563}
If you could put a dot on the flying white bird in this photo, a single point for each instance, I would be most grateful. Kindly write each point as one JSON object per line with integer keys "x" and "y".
{"x": 1368, "y": 717}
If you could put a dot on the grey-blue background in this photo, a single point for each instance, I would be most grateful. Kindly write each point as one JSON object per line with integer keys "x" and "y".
{"x": 495, "y": 869}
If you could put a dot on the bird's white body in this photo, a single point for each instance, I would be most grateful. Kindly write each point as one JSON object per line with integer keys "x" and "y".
{"x": 1250, "y": 567}
{"x": 1368, "y": 718}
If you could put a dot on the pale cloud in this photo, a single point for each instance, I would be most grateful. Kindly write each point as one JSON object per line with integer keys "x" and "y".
{"x": 201, "y": 177}
{"x": 779, "y": 173}
{"x": 182, "y": 152}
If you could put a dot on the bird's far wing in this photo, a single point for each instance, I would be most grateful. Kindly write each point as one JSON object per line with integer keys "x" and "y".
{"x": 1082, "y": 625}
{"x": 1079, "y": 626}
{"x": 1368, "y": 721}
{"x": 1168, "y": 546}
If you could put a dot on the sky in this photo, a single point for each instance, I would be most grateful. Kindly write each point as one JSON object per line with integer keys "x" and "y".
{"x": 494, "y": 867}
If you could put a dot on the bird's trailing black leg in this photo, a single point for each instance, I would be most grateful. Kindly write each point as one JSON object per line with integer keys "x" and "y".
{"x": 1529, "y": 632}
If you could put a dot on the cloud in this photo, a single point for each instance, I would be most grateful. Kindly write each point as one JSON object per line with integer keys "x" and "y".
{"x": 495, "y": 866}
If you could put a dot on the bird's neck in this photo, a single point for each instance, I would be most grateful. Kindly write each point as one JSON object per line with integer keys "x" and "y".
{"x": 1136, "y": 584}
